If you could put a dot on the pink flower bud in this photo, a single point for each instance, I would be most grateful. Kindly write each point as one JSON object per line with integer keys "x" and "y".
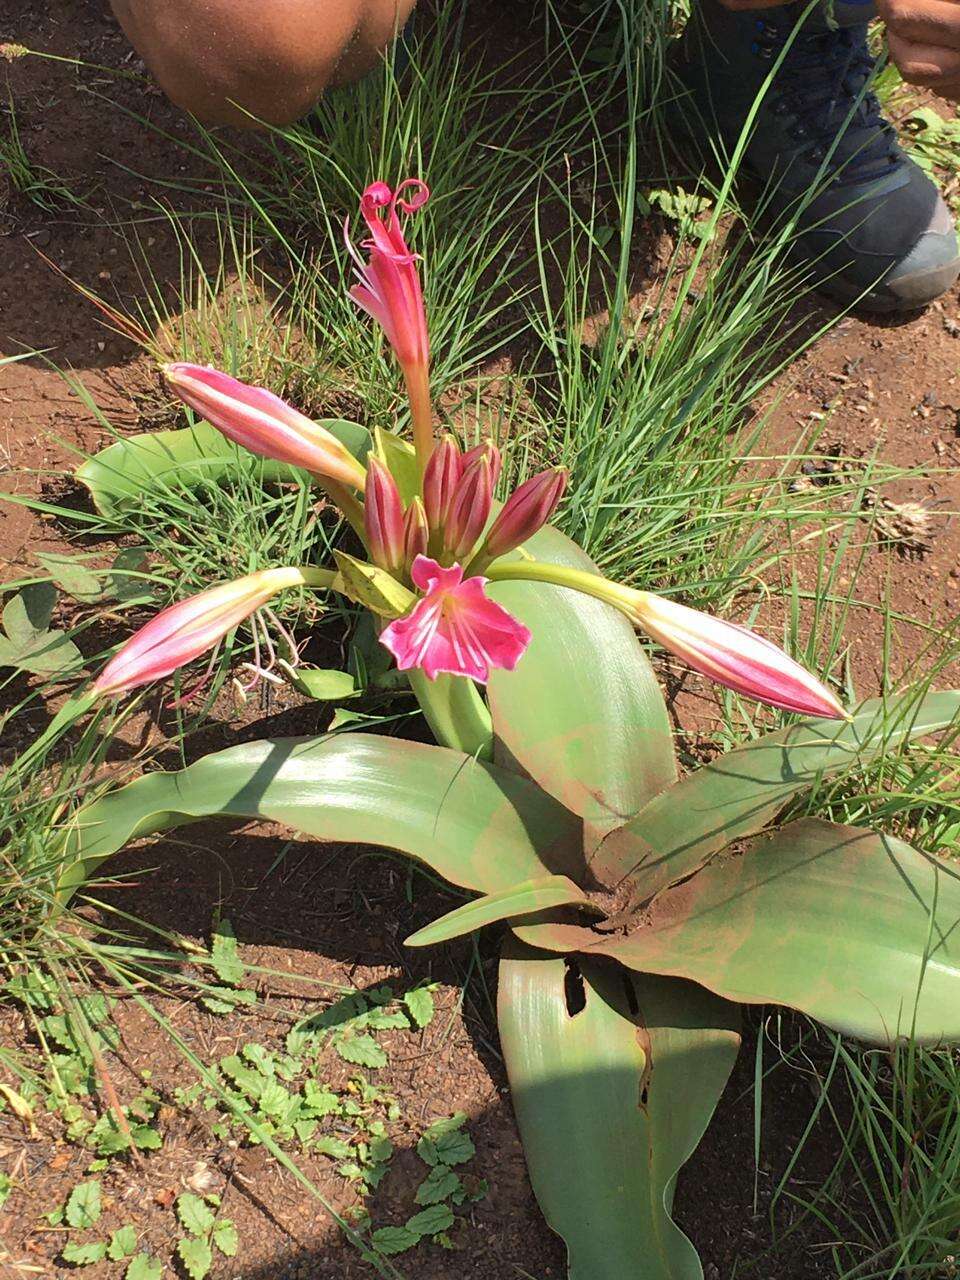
{"x": 383, "y": 516}
{"x": 187, "y": 629}
{"x": 263, "y": 423}
{"x": 470, "y": 508}
{"x": 525, "y": 511}
{"x": 487, "y": 449}
{"x": 733, "y": 656}
{"x": 416, "y": 534}
{"x": 440, "y": 478}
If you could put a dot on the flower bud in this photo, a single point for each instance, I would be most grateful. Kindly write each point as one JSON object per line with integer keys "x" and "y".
{"x": 440, "y": 477}
{"x": 383, "y": 516}
{"x": 470, "y": 508}
{"x": 415, "y": 533}
{"x": 525, "y": 511}
{"x": 185, "y": 630}
{"x": 259, "y": 421}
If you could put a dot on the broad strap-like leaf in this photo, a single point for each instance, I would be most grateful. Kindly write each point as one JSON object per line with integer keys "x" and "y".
{"x": 582, "y": 713}
{"x": 740, "y": 792}
{"x": 613, "y": 1082}
{"x": 158, "y": 460}
{"x": 523, "y": 899}
{"x": 479, "y": 826}
{"x": 850, "y": 926}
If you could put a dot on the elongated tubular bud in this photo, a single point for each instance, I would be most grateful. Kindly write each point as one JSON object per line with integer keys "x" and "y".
{"x": 259, "y": 421}
{"x": 415, "y": 533}
{"x": 443, "y": 471}
{"x": 470, "y": 509}
{"x": 383, "y": 516}
{"x": 185, "y": 630}
{"x": 725, "y": 652}
{"x": 525, "y": 511}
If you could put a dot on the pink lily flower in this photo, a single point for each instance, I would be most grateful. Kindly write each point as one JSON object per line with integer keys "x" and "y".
{"x": 734, "y": 656}
{"x": 259, "y": 421}
{"x": 188, "y": 628}
{"x": 455, "y": 627}
{"x": 389, "y": 290}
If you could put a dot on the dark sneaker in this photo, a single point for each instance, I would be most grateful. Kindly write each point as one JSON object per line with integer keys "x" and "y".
{"x": 875, "y": 227}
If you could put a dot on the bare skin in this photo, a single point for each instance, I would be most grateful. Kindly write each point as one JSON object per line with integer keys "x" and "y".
{"x": 229, "y": 60}
{"x": 225, "y": 60}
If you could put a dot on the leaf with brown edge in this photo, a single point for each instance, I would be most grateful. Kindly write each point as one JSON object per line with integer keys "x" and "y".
{"x": 582, "y": 713}
{"x": 853, "y": 927}
{"x": 614, "y": 1078}
{"x": 740, "y": 792}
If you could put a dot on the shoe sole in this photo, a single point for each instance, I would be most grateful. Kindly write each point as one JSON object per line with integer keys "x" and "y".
{"x": 908, "y": 293}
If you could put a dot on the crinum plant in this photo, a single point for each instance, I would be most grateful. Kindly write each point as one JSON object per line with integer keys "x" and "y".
{"x": 642, "y": 907}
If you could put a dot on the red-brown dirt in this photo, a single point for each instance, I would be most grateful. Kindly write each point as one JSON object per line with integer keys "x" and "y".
{"x": 891, "y": 387}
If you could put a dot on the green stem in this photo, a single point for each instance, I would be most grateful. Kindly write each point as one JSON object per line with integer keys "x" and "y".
{"x": 456, "y": 713}
{"x": 559, "y": 575}
{"x": 349, "y": 506}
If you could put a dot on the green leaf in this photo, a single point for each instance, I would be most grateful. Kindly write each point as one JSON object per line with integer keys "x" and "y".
{"x": 29, "y": 612}
{"x": 225, "y": 1238}
{"x": 520, "y": 900}
{"x": 478, "y": 826}
{"x": 420, "y": 1005}
{"x": 224, "y": 956}
{"x": 226, "y": 999}
{"x": 428, "y": 1222}
{"x": 196, "y": 1256}
{"x": 582, "y": 712}
{"x": 45, "y": 653}
{"x": 143, "y": 1267}
{"x": 400, "y": 459}
{"x": 70, "y": 574}
{"x": 84, "y": 1205}
{"x": 334, "y": 1147}
{"x": 439, "y": 1183}
{"x": 194, "y": 1213}
{"x": 852, "y": 927}
{"x": 163, "y": 461}
{"x": 370, "y": 586}
{"x": 610, "y": 1103}
{"x": 394, "y": 1239}
{"x": 454, "y": 1147}
{"x": 324, "y": 684}
{"x": 82, "y": 1255}
{"x": 740, "y": 792}
{"x": 123, "y": 1243}
{"x": 363, "y": 1050}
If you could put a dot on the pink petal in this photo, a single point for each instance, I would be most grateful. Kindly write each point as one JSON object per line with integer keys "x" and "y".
{"x": 455, "y": 628}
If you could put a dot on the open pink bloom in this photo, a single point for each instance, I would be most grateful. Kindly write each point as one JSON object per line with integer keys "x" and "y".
{"x": 733, "y": 656}
{"x": 185, "y": 630}
{"x": 455, "y": 627}
{"x": 259, "y": 421}
{"x": 389, "y": 283}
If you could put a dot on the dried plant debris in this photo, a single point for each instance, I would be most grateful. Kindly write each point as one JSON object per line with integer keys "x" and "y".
{"x": 907, "y": 526}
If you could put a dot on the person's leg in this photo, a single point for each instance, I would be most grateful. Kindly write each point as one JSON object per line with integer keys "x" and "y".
{"x": 273, "y": 58}
{"x": 876, "y": 225}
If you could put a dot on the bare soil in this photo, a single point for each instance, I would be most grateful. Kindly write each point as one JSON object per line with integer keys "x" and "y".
{"x": 888, "y": 387}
